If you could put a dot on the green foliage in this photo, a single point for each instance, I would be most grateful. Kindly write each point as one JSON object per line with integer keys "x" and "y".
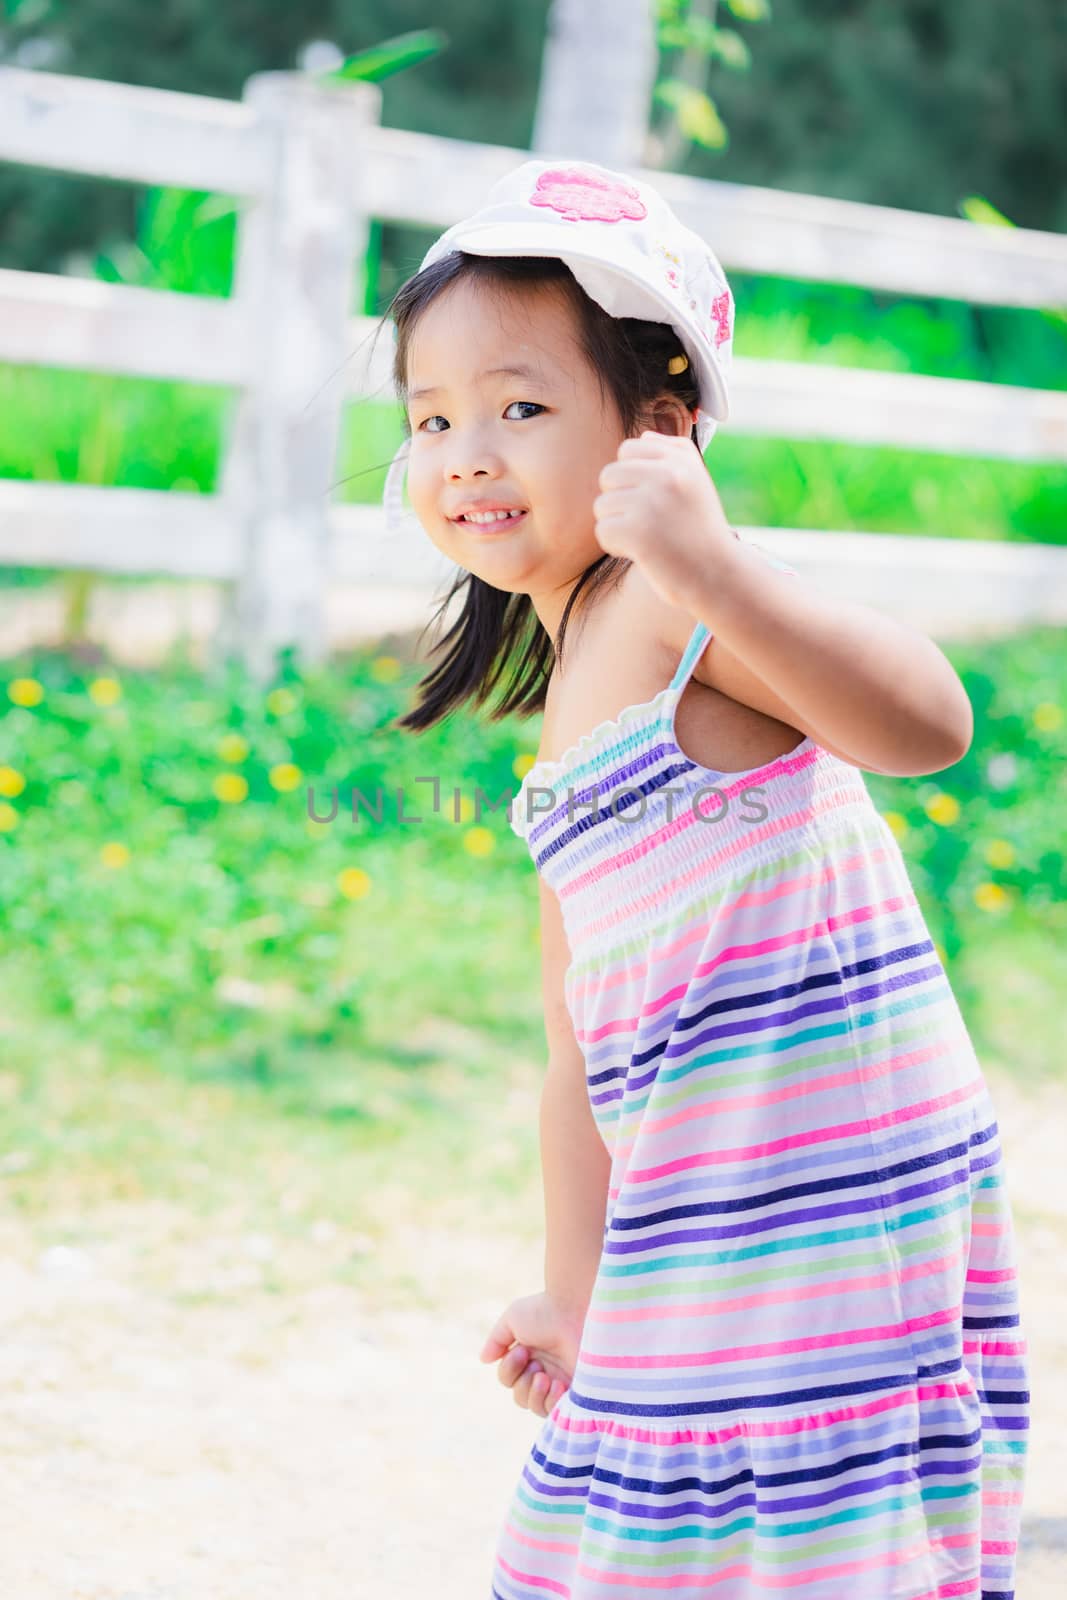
{"x": 691, "y": 40}
{"x": 164, "y": 888}
{"x": 750, "y": 10}
{"x": 910, "y": 103}
{"x": 392, "y": 55}
{"x": 482, "y": 87}
{"x": 165, "y": 893}
{"x": 695, "y": 111}
{"x": 185, "y": 242}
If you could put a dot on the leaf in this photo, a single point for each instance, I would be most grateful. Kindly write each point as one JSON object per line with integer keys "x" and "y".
{"x": 693, "y": 33}
{"x": 699, "y": 34}
{"x": 699, "y": 120}
{"x": 731, "y": 49}
{"x": 750, "y": 10}
{"x": 978, "y": 209}
{"x": 385, "y": 59}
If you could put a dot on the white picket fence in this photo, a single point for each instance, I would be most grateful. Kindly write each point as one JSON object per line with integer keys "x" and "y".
{"x": 311, "y": 165}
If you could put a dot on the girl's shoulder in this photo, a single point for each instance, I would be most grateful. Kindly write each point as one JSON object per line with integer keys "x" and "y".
{"x": 618, "y": 659}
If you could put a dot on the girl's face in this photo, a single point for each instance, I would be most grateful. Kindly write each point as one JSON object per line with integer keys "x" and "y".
{"x": 532, "y": 441}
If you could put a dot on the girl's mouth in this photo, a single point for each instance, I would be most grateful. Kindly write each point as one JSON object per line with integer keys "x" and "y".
{"x": 493, "y": 524}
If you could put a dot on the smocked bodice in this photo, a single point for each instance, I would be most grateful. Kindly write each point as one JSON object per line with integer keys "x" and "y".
{"x": 624, "y": 821}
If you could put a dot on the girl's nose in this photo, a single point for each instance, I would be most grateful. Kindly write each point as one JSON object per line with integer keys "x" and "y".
{"x": 471, "y": 460}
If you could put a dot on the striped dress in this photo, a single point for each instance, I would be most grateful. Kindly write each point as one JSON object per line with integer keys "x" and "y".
{"x": 802, "y": 1370}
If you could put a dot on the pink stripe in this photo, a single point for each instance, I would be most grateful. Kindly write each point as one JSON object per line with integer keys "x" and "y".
{"x": 835, "y": 873}
{"x": 750, "y": 1302}
{"x": 997, "y": 1347}
{"x": 725, "y": 1104}
{"x": 687, "y": 819}
{"x": 762, "y": 1352}
{"x": 745, "y": 1569}
{"x": 727, "y": 853}
{"x": 740, "y": 952}
{"x": 549, "y": 1585}
{"x": 808, "y": 1087}
{"x": 815, "y": 1136}
{"x": 672, "y": 887}
{"x": 772, "y": 1428}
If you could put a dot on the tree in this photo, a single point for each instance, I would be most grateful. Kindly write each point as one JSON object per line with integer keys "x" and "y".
{"x": 597, "y": 73}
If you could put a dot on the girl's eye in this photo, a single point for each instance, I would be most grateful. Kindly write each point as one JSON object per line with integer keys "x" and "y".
{"x": 425, "y": 426}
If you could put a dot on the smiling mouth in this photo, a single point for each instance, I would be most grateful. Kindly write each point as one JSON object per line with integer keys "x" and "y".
{"x": 491, "y": 524}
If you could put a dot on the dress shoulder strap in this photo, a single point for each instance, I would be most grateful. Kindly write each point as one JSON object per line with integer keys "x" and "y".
{"x": 691, "y": 655}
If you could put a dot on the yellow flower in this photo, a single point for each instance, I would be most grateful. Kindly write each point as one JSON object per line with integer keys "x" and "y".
{"x": 943, "y": 808}
{"x": 281, "y": 701}
{"x": 479, "y": 841}
{"x": 522, "y": 764}
{"x": 11, "y": 782}
{"x": 230, "y": 786}
{"x": 939, "y": 951}
{"x": 1047, "y": 716}
{"x": 385, "y": 669}
{"x": 9, "y": 817}
{"x": 105, "y": 691}
{"x": 1000, "y": 853}
{"x": 897, "y": 823}
{"x": 25, "y": 691}
{"x": 991, "y": 897}
{"x": 114, "y": 855}
{"x": 285, "y": 776}
{"x": 354, "y": 883}
{"x": 317, "y": 830}
{"x": 231, "y": 747}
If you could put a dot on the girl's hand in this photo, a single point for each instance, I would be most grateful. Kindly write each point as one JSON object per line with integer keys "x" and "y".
{"x": 659, "y": 508}
{"x": 538, "y": 1341}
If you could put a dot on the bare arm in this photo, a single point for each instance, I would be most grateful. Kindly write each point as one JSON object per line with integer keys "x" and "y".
{"x": 881, "y": 691}
{"x": 575, "y": 1163}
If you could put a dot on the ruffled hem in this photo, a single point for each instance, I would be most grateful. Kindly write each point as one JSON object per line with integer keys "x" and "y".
{"x": 880, "y": 1497}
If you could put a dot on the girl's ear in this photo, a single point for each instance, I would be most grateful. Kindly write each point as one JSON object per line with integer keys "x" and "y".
{"x": 667, "y": 414}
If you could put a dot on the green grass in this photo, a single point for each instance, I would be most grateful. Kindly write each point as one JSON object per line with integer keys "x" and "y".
{"x": 210, "y": 1033}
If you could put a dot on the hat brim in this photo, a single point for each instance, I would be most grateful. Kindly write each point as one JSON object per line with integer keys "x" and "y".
{"x": 544, "y": 240}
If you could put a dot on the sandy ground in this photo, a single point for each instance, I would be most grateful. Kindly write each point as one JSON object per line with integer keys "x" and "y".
{"x": 172, "y": 1429}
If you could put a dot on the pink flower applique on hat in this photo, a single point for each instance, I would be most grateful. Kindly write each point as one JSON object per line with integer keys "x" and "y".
{"x": 720, "y": 310}
{"x": 585, "y": 196}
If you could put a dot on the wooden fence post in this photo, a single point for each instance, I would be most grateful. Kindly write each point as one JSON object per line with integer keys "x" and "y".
{"x": 295, "y": 281}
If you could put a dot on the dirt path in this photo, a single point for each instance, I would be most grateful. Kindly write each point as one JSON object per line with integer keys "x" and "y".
{"x": 174, "y": 1429}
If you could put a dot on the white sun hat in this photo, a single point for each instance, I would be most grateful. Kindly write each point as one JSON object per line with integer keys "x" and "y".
{"x": 627, "y": 250}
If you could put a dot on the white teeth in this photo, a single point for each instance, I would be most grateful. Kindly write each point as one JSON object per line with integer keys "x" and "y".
{"x": 490, "y": 516}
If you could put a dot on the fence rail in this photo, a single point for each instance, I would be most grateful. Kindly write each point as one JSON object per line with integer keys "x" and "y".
{"x": 311, "y": 166}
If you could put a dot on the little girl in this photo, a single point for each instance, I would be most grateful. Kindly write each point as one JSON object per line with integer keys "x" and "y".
{"x": 779, "y": 1345}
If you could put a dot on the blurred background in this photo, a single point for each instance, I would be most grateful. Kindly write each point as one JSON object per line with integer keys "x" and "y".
{"x": 269, "y": 1085}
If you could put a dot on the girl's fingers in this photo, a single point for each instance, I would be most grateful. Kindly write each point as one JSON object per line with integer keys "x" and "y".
{"x": 496, "y": 1340}
{"x": 522, "y": 1389}
{"x": 513, "y": 1364}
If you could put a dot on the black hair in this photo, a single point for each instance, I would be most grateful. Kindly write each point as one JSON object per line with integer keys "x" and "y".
{"x": 498, "y": 634}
